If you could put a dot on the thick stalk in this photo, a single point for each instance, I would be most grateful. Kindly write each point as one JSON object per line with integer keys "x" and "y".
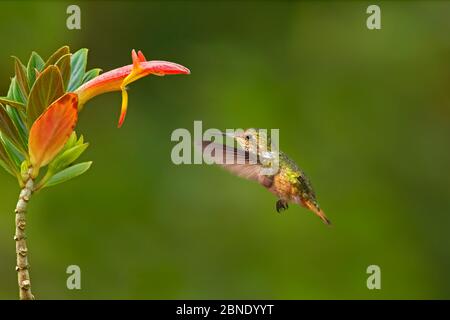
{"x": 22, "y": 267}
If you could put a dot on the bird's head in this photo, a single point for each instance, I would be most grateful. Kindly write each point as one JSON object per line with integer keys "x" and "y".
{"x": 252, "y": 140}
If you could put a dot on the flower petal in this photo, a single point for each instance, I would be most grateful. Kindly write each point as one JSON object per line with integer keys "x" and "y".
{"x": 124, "y": 107}
{"x": 141, "y": 56}
{"x": 51, "y": 130}
{"x": 135, "y": 74}
{"x": 161, "y": 68}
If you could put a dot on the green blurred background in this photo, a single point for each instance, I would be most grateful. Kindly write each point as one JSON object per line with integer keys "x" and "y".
{"x": 365, "y": 113}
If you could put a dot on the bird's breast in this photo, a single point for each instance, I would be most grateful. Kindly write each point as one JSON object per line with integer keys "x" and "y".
{"x": 283, "y": 188}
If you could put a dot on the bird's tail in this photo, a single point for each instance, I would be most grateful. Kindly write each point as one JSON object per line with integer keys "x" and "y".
{"x": 314, "y": 208}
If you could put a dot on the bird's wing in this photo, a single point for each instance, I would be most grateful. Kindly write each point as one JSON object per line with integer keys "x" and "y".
{"x": 237, "y": 161}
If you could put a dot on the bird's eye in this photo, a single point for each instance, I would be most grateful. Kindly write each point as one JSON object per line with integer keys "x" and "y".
{"x": 248, "y": 137}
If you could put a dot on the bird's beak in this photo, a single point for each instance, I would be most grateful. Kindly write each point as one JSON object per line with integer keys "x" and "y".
{"x": 229, "y": 135}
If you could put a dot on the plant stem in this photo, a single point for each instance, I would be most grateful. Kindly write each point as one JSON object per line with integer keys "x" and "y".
{"x": 21, "y": 244}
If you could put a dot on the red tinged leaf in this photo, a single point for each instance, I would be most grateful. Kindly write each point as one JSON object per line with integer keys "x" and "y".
{"x": 21, "y": 76}
{"x": 51, "y": 130}
{"x": 63, "y": 65}
{"x": 8, "y": 128}
{"x": 48, "y": 87}
{"x": 56, "y": 56}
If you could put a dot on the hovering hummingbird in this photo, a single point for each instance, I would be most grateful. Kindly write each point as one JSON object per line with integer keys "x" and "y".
{"x": 287, "y": 181}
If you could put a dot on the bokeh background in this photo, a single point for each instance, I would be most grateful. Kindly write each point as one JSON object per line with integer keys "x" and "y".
{"x": 365, "y": 113}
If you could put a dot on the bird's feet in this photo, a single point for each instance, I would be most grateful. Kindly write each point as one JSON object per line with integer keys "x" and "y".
{"x": 281, "y": 205}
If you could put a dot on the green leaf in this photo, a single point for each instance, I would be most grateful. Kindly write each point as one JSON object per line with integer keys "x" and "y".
{"x": 78, "y": 66}
{"x": 35, "y": 63}
{"x": 5, "y": 161}
{"x": 24, "y": 167}
{"x": 14, "y": 154}
{"x": 11, "y": 89}
{"x": 67, "y": 158}
{"x": 64, "y": 67}
{"x": 21, "y": 76}
{"x": 14, "y": 93}
{"x": 91, "y": 74}
{"x": 16, "y": 115}
{"x": 12, "y": 103}
{"x": 9, "y": 129}
{"x": 17, "y": 118}
{"x": 47, "y": 88}
{"x": 68, "y": 174}
{"x": 56, "y": 56}
{"x": 81, "y": 140}
{"x": 70, "y": 142}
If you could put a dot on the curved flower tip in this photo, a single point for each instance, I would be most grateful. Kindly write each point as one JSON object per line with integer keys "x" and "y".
{"x": 119, "y": 78}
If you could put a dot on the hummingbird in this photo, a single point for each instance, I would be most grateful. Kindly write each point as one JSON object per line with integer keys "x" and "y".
{"x": 286, "y": 180}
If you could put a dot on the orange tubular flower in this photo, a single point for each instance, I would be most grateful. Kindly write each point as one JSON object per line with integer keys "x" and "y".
{"x": 118, "y": 79}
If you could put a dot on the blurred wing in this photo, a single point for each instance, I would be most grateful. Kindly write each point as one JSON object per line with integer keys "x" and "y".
{"x": 237, "y": 161}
